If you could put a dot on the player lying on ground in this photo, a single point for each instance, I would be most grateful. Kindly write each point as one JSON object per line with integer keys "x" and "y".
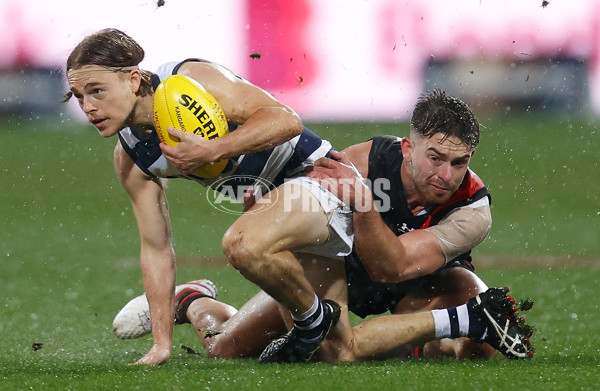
{"x": 411, "y": 253}
{"x": 489, "y": 318}
{"x": 266, "y": 143}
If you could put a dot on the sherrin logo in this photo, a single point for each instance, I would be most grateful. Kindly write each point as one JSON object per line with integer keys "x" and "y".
{"x": 207, "y": 128}
{"x": 183, "y": 103}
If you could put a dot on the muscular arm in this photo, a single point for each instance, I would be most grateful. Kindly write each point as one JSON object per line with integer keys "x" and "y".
{"x": 419, "y": 252}
{"x": 390, "y": 258}
{"x": 263, "y": 121}
{"x": 157, "y": 258}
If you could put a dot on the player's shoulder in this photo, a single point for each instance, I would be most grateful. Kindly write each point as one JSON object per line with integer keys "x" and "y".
{"x": 359, "y": 156}
{"x": 385, "y": 146}
{"x": 193, "y": 64}
{"x": 203, "y": 70}
{"x": 165, "y": 70}
{"x": 359, "y": 148}
{"x": 386, "y": 142}
{"x": 195, "y": 68}
{"x": 387, "y": 138}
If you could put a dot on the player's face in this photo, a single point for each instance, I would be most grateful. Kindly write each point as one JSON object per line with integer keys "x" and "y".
{"x": 436, "y": 166}
{"x": 107, "y": 98}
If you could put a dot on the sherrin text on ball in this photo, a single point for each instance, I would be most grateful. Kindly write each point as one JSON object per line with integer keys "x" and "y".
{"x": 181, "y": 102}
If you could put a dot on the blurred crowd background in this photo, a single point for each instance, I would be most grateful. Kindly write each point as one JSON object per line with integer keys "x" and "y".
{"x": 332, "y": 61}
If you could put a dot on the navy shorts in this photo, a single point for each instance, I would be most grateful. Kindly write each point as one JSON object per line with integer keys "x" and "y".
{"x": 366, "y": 297}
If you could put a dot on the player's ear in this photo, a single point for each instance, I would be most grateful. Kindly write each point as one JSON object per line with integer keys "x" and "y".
{"x": 407, "y": 146}
{"x": 135, "y": 80}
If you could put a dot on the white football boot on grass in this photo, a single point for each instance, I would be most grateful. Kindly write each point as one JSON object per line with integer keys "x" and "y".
{"x": 133, "y": 321}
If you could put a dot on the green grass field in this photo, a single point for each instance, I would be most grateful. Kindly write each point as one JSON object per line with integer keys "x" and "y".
{"x": 69, "y": 262}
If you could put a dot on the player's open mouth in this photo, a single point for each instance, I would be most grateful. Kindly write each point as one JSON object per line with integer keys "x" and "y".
{"x": 98, "y": 122}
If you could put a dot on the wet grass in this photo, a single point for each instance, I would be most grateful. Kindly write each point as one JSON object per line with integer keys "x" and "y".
{"x": 76, "y": 349}
{"x": 244, "y": 375}
{"x": 69, "y": 262}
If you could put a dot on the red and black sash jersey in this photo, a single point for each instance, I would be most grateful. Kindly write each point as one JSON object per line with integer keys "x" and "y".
{"x": 385, "y": 160}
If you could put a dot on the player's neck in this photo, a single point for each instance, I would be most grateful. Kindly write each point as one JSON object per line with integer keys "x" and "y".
{"x": 142, "y": 119}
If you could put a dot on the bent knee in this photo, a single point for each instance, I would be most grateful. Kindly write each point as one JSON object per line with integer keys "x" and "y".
{"x": 240, "y": 251}
{"x": 245, "y": 253}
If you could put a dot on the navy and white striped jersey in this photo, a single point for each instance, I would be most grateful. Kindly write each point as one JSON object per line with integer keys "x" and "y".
{"x": 270, "y": 166}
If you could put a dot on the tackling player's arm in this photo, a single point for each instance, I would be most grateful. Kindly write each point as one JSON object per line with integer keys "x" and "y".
{"x": 157, "y": 258}
{"x": 263, "y": 121}
{"x": 392, "y": 258}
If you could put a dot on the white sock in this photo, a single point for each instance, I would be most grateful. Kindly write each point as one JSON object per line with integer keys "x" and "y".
{"x": 308, "y": 325}
{"x": 452, "y": 322}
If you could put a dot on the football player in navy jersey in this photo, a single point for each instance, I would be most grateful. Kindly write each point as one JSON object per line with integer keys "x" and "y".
{"x": 268, "y": 142}
{"x": 418, "y": 212}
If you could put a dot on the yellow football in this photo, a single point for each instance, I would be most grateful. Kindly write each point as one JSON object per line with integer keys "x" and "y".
{"x": 183, "y": 103}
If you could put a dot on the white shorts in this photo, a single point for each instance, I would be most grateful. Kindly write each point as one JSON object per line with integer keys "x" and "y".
{"x": 341, "y": 234}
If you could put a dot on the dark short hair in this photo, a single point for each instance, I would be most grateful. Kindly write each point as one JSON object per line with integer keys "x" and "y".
{"x": 111, "y": 48}
{"x": 436, "y": 112}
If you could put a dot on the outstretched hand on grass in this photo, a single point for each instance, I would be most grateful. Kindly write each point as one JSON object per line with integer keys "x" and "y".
{"x": 155, "y": 356}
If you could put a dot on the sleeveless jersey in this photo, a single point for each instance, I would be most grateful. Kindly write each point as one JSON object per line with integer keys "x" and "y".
{"x": 385, "y": 159}
{"x": 268, "y": 167}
